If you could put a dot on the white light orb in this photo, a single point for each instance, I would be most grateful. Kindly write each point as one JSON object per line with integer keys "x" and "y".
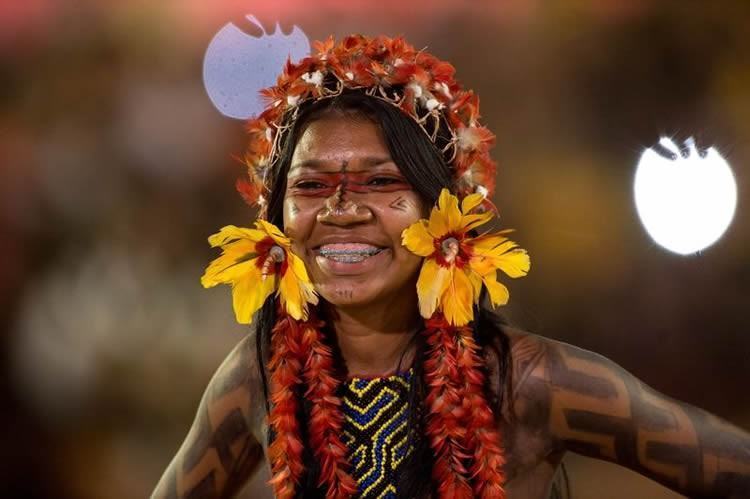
{"x": 238, "y": 65}
{"x": 686, "y": 200}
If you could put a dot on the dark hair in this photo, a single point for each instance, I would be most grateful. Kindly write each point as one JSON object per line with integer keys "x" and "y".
{"x": 423, "y": 165}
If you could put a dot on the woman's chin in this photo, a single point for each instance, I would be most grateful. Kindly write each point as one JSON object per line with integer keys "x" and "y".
{"x": 367, "y": 283}
{"x": 346, "y": 294}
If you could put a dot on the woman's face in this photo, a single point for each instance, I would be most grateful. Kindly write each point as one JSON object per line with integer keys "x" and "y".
{"x": 345, "y": 207}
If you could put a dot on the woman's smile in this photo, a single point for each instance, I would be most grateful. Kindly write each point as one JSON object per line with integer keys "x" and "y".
{"x": 339, "y": 261}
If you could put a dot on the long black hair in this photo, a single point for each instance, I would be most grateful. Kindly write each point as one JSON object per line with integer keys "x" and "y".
{"x": 422, "y": 163}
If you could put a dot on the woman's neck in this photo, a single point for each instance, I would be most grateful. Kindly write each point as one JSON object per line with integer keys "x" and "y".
{"x": 377, "y": 340}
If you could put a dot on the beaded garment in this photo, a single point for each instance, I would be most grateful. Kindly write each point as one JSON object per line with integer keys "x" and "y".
{"x": 376, "y": 431}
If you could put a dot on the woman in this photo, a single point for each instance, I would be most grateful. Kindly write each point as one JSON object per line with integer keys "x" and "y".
{"x": 377, "y": 366}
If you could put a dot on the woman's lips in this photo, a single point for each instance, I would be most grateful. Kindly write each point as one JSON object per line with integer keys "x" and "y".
{"x": 349, "y": 258}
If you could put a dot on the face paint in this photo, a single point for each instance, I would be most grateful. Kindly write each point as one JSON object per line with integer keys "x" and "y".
{"x": 399, "y": 204}
{"x": 324, "y": 185}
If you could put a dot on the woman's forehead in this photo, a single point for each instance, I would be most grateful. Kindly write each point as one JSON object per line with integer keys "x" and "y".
{"x": 356, "y": 163}
{"x": 338, "y": 140}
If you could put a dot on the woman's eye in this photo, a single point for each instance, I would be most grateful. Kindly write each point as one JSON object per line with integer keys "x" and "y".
{"x": 309, "y": 184}
{"x": 379, "y": 181}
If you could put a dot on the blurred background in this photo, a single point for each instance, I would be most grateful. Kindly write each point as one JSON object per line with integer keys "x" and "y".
{"x": 115, "y": 167}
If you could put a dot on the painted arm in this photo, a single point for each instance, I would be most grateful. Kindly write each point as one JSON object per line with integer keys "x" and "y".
{"x": 220, "y": 451}
{"x": 592, "y": 406}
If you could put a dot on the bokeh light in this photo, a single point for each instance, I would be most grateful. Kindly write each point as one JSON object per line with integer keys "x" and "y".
{"x": 237, "y": 65}
{"x": 685, "y": 198}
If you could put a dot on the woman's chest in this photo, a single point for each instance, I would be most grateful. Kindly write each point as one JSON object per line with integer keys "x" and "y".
{"x": 378, "y": 431}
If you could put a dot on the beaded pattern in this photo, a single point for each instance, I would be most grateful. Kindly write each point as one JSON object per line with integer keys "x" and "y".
{"x": 376, "y": 431}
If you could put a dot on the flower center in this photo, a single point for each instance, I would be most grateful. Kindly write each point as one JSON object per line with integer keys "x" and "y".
{"x": 450, "y": 247}
{"x": 451, "y": 252}
{"x": 272, "y": 257}
{"x": 277, "y": 254}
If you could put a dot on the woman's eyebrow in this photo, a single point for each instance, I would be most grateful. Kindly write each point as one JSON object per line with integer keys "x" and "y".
{"x": 314, "y": 163}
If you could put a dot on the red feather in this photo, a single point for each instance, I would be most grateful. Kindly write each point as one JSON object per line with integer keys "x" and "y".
{"x": 284, "y": 367}
{"x": 483, "y": 438}
{"x": 326, "y": 418}
{"x": 249, "y": 191}
{"x": 446, "y": 431}
{"x": 460, "y": 424}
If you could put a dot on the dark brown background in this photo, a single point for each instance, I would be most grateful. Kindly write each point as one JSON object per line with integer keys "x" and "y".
{"x": 115, "y": 168}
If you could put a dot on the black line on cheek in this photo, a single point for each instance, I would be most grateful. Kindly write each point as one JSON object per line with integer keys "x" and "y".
{"x": 293, "y": 208}
{"x": 399, "y": 204}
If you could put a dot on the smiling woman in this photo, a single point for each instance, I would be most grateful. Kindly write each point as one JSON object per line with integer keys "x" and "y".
{"x": 379, "y": 367}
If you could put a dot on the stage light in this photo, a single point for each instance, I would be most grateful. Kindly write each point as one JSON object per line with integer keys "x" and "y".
{"x": 685, "y": 198}
{"x": 238, "y": 65}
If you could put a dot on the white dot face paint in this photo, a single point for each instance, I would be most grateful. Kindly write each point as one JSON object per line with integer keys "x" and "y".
{"x": 685, "y": 200}
{"x": 238, "y": 65}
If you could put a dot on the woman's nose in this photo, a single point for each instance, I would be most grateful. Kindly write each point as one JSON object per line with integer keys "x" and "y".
{"x": 341, "y": 211}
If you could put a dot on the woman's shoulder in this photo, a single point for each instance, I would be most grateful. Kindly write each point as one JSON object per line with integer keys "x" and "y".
{"x": 536, "y": 362}
{"x": 526, "y": 355}
{"x": 236, "y": 385}
{"x": 239, "y": 367}
{"x": 548, "y": 375}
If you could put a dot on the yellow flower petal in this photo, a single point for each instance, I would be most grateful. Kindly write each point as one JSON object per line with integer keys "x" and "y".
{"x": 457, "y": 299}
{"x": 308, "y": 294}
{"x": 506, "y": 256}
{"x": 448, "y": 205}
{"x": 432, "y": 282}
{"x": 291, "y": 296}
{"x": 273, "y": 231}
{"x": 487, "y": 243}
{"x": 297, "y": 266}
{"x": 240, "y": 249}
{"x": 438, "y": 224}
{"x": 232, "y": 233}
{"x": 484, "y": 251}
{"x": 515, "y": 263}
{"x": 476, "y": 284}
{"x": 417, "y": 239}
{"x": 469, "y": 222}
{"x": 295, "y": 288}
{"x": 470, "y": 202}
{"x": 226, "y": 271}
{"x": 249, "y": 294}
{"x": 498, "y": 292}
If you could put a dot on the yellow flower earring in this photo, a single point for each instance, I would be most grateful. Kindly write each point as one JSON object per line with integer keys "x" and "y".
{"x": 257, "y": 262}
{"x": 456, "y": 265}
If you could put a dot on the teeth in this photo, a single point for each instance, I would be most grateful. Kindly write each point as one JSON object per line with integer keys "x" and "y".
{"x": 346, "y": 251}
{"x": 347, "y": 258}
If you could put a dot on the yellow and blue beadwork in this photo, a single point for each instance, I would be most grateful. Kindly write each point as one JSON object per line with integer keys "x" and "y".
{"x": 376, "y": 431}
